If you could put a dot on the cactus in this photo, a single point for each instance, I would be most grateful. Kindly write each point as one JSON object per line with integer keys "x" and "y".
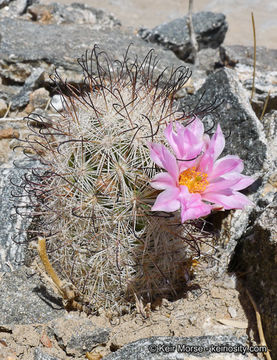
{"x": 92, "y": 197}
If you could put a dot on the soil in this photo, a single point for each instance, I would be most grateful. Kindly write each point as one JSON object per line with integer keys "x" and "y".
{"x": 213, "y": 305}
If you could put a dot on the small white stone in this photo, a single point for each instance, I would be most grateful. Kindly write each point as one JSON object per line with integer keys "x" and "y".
{"x": 57, "y": 102}
{"x": 232, "y": 311}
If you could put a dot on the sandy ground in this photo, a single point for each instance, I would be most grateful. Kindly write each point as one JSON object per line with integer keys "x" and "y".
{"x": 213, "y": 307}
{"x": 139, "y": 13}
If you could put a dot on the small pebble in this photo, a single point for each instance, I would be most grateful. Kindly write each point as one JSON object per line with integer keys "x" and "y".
{"x": 38, "y": 99}
{"x": 8, "y": 133}
{"x": 57, "y": 102}
{"x": 232, "y": 311}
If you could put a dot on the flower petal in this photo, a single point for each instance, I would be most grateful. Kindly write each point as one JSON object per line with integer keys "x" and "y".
{"x": 235, "y": 200}
{"x": 167, "y": 201}
{"x": 163, "y": 158}
{"x": 217, "y": 142}
{"x": 215, "y": 148}
{"x": 185, "y": 143}
{"x": 242, "y": 181}
{"x": 163, "y": 181}
{"x": 196, "y": 126}
{"x": 222, "y": 183}
{"x": 169, "y": 134}
{"x": 229, "y": 163}
{"x": 191, "y": 205}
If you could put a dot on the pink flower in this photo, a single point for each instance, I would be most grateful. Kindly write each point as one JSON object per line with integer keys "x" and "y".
{"x": 196, "y": 180}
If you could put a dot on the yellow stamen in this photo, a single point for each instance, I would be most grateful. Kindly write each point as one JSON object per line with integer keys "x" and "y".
{"x": 196, "y": 181}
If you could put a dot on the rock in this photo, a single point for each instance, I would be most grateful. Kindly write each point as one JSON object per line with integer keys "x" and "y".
{"x": 8, "y": 91}
{"x": 252, "y": 228}
{"x": 270, "y": 126}
{"x": 180, "y": 348}
{"x": 38, "y": 99}
{"x": 232, "y": 311}
{"x": 255, "y": 261}
{"x": 13, "y": 71}
{"x": 210, "y": 30}
{"x": 40, "y": 355}
{"x": 75, "y": 13}
{"x": 9, "y": 133}
{"x": 208, "y": 60}
{"x": 245, "y": 137}
{"x": 25, "y": 300}
{"x": 74, "y": 40}
{"x": 3, "y": 107}
{"x": 10, "y": 223}
{"x": 245, "y": 133}
{"x": 23, "y": 97}
{"x": 18, "y": 7}
{"x": 4, "y": 3}
{"x": 14, "y": 8}
{"x": 13, "y": 238}
{"x": 265, "y": 88}
{"x": 57, "y": 102}
{"x": 78, "y": 335}
{"x": 239, "y": 54}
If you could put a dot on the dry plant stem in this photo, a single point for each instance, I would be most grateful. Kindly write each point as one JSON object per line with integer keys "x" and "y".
{"x": 254, "y": 65}
{"x": 13, "y": 119}
{"x": 192, "y": 36}
{"x": 265, "y": 106}
{"x": 48, "y": 267}
{"x": 65, "y": 291}
{"x": 8, "y": 110}
{"x": 259, "y": 325}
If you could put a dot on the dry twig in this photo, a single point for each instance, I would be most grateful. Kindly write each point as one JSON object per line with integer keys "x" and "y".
{"x": 192, "y": 36}
{"x": 259, "y": 325}
{"x": 254, "y": 65}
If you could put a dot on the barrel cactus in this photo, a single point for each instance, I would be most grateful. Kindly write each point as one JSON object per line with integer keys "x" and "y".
{"x": 92, "y": 196}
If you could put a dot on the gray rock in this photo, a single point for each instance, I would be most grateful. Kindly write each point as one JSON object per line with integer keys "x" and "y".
{"x": 239, "y": 54}
{"x": 15, "y": 211}
{"x": 77, "y": 335}
{"x": 18, "y": 7}
{"x": 85, "y": 339}
{"x": 208, "y": 59}
{"x": 25, "y": 300}
{"x": 270, "y": 126}
{"x": 74, "y": 40}
{"x": 14, "y": 8}
{"x": 4, "y": 3}
{"x": 39, "y": 355}
{"x": 246, "y": 137}
{"x": 265, "y": 88}
{"x": 7, "y": 92}
{"x": 255, "y": 262}
{"x": 32, "y": 82}
{"x": 152, "y": 348}
{"x": 75, "y": 13}
{"x": 14, "y": 72}
{"x": 210, "y": 30}
{"x": 13, "y": 227}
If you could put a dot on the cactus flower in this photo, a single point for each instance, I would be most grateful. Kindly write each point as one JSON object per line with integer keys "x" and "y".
{"x": 196, "y": 180}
